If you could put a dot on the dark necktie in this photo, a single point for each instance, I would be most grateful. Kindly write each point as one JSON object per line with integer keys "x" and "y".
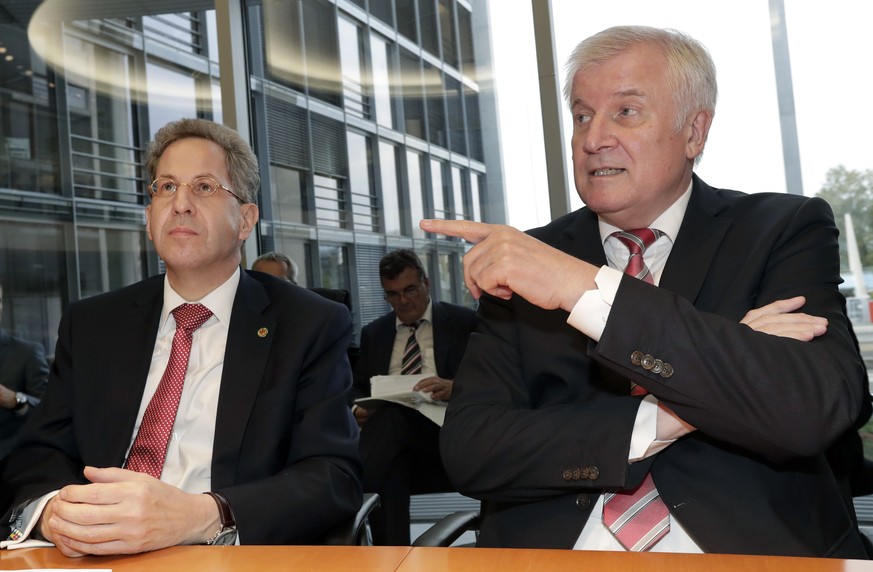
{"x": 638, "y": 519}
{"x": 150, "y": 446}
{"x": 411, "y": 363}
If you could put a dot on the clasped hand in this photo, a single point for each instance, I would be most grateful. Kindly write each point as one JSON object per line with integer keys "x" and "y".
{"x": 125, "y": 512}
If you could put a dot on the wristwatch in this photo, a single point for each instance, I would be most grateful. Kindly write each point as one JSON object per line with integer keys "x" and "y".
{"x": 20, "y": 401}
{"x": 227, "y": 535}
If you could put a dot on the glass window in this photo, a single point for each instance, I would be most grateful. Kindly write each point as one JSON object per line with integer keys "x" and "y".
{"x": 382, "y": 81}
{"x": 427, "y": 16}
{"x": 413, "y": 100}
{"x": 286, "y": 194}
{"x": 351, "y": 58}
{"x": 447, "y": 27}
{"x": 104, "y": 159}
{"x": 475, "y": 197}
{"x": 474, "y": 124}
{"x": 182, "y": 30}
{"x": 33, "y": 271}
{"x": 172, "y": 95}
{"x": 329, "y": 202}
{"x": 282, "y": 42}
{"x": 438, "y": 188}
{"x": 465, "y": 34}
{"x": 109, "y": 259}
{"x": 382, "y": 9}
{"x": 406, "y": 20}
{"x": 446, "y": 277}
{"x": 364, "y": 212}
{"x": 322, "y": 59}
{"x": 436, "y": 106}
{"x": 334, "y": 267}
{"x": 390, "y": 191}
{"x": 415, "y": 170}
{"x": 458, "y": 187}
{"x": 456, "y": 115}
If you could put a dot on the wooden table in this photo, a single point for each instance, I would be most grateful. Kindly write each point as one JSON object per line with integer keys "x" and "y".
{"x": 405, "y": 559}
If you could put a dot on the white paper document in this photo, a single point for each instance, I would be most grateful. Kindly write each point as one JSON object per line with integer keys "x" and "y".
{"x": 398, "y": 389}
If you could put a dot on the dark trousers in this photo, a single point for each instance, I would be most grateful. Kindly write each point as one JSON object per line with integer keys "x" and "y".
{"x": 400, "y": 452}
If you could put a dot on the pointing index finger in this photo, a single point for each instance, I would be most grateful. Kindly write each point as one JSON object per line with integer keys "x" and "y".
{"x": 470, "y": 231}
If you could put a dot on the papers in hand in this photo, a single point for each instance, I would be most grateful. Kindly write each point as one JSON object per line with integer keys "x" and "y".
{"x": 398, "y": 389}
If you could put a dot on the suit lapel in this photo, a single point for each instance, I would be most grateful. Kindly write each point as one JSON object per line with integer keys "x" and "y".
{"x": 129, "y": 352}
{"x": 581, "y": 238}
{"x": 249, "y": 340}
{"x": 699, "y": 238}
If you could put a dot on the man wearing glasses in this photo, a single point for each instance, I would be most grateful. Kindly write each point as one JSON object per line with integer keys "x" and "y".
{"x": 399, "y": 445}
{"x": 204, "y": 406}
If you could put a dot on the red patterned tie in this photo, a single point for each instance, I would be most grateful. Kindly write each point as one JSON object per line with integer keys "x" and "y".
{"x": 637, "y": 241}
{"x": 638, "y": 519}
{"x": 411, "y": 363}
{"x": 150, "y": 446}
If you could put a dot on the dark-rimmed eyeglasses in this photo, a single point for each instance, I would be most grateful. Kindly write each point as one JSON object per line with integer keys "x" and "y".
{"x": 201, "y": 186}
{"x": 408, "y": 293}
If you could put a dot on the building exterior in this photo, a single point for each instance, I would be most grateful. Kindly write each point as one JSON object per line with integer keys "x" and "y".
{"x": 367, "y": 116}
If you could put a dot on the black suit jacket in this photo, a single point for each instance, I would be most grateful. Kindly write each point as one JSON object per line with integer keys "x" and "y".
{"x": 451, "y": 328}
{"x": 286, "y": 446}
{"x": 540, "y": 420}
{"x": 23, "y": 368}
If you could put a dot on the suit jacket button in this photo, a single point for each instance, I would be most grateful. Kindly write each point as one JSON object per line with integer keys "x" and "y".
{"x": 667, "y": 370}
{"x": 577, "y": 473}
{"x": 568, "y": 474}
{"x": 637, "y": 357}
{"x": 583, "y": 502}
{"x": 593, "y": 473}
{"x": 584, "y": 473}
{"x": 658, "y": 366}
{"x": 648, "y": 362}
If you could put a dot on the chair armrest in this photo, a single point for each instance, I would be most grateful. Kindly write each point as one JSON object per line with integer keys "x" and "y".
{"x": 355, "y": 531}
{"x": 448, "y": 529}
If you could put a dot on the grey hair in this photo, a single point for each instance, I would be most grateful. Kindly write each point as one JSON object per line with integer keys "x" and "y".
{"x": 690, "y": 70}
{"x": 273, "y": 256}
{"x": 241, "y": 162}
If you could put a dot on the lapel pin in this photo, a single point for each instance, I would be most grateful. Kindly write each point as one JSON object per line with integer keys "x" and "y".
{"x": 262, "y": 333}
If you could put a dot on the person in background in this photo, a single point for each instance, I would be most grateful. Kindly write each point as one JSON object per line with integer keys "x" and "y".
{"x": 208, "y": 405}
{"x": 277, "y": 264}
{"x": 399, "y": 445}
{"x": 646, "y": 351}
{"x": 23, "y": 376}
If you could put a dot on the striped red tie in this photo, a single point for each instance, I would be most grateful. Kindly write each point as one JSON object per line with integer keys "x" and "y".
{"x": 638, "y": 519}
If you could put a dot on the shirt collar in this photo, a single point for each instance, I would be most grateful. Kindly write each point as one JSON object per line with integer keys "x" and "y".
{"x": 668, "y": 222}
{"x": 219, "y": 301}
{"x": 426, "y": 317}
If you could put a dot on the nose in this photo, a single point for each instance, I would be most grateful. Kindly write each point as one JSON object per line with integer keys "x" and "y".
{"x": 183, "y": 199}
{"x": 597, "y": 134}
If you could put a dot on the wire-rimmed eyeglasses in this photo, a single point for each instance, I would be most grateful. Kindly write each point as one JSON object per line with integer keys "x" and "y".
{"x": 201, "y": 186}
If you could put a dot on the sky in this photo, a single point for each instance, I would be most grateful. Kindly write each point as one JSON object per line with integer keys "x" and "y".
{"x": 830, "y": 44}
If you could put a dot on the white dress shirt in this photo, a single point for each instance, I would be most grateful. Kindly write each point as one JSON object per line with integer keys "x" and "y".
{"x": 590, "y": 316}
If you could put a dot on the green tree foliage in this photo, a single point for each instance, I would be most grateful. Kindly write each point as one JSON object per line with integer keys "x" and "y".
{"x": 850, "y": 191}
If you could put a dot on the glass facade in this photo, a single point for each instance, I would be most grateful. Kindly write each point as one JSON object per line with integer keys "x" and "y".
{"x": 356, "y": 111}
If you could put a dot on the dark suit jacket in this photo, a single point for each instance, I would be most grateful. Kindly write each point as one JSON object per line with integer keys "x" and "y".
{"x": 23, "y": 368}
{"x": 286, "y": 446}
{"x": 540, "y": 420}
{"x": 451, "y": 328}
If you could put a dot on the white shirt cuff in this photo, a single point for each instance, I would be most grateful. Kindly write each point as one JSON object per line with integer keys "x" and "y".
{"x": 590, "y": 313}
{"x": 25, "y": 523}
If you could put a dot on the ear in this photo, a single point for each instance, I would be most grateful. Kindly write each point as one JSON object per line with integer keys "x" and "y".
{"x": 250, "y": 215}
{"x": 148, "y": 214}
{"x": 697, "y": 134}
